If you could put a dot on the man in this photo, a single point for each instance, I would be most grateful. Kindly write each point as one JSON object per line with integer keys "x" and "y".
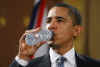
{"x": 65, "y": 22}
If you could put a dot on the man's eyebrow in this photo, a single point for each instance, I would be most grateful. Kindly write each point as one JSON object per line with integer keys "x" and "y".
{"x": 59, "y": 17}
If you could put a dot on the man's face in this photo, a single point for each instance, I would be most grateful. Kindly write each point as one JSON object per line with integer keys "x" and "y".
{"x": 60, "y": 23}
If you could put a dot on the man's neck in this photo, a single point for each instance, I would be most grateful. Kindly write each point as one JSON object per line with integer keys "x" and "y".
{"x": 64, "y": 49}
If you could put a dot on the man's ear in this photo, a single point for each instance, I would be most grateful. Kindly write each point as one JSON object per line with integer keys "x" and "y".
{"x": 77, "y": 29}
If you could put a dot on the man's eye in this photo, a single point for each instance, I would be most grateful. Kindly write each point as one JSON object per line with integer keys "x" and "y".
{"x": 48, "y": 21}
{"x": 60, "y": 21}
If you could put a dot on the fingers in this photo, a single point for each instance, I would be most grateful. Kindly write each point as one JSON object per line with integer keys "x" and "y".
{"x": 29, "y": 50}
{"x": 25, "y": 49}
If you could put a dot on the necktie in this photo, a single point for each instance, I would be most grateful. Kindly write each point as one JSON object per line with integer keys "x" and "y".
{"x": 60, "y": 62}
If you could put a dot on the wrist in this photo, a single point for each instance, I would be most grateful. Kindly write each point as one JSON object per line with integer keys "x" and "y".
{"x": 24, "y": 57}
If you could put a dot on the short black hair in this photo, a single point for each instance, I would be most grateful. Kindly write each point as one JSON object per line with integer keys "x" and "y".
{"x": 72, "y": 11}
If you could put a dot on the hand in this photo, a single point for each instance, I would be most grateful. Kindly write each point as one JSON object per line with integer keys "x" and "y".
{"x": 25, "y": 51}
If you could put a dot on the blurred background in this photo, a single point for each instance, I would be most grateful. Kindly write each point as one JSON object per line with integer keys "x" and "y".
{"x": 15, "y": 17}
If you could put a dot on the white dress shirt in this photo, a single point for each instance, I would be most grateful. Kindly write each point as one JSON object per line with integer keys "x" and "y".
{"x": 70, "y": 56}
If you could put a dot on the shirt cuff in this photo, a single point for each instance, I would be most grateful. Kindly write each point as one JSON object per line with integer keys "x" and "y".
{"x": 21, "y": 61}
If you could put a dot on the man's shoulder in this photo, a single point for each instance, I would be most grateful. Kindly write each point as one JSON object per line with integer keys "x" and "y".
{"x": 88, "y": 60}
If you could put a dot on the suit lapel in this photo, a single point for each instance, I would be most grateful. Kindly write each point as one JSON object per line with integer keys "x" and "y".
{"x": 80, "y": 61}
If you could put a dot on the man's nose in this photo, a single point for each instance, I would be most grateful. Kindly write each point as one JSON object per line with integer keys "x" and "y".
{"x": 52, "y": 25}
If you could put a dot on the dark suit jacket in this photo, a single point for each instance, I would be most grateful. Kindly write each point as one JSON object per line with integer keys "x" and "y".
{"x": 44, "y": 61}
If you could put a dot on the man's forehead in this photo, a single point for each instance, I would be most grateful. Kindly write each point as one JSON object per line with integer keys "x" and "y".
{"x": 57, "y": 11}
{"x": 52, "y": 12}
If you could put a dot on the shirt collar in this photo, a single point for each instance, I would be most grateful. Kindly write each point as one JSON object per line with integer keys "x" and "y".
{"x": 70, "y": 56}
{"x": 53, "y": 55}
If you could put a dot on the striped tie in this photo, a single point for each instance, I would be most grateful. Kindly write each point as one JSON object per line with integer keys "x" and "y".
{"x": 60, "y": 61}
